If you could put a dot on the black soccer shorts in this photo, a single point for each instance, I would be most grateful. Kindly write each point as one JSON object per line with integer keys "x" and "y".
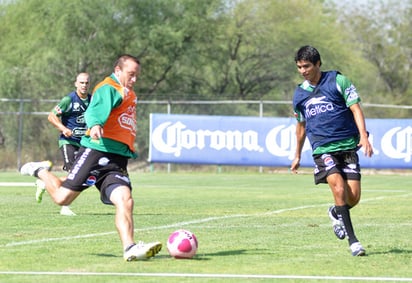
{"x": 104, "y": 170}
{"x": 345, "y": 163}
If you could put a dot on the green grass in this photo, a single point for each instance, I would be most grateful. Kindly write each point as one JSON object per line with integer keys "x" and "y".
{"x": 247, "y": 224}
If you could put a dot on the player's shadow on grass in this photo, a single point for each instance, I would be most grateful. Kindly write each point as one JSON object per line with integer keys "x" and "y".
{"x": 99, "y": 214}
{"x": 226, "y": 253}
{"x": 199, "y": 256}
{"x": 159, "y": 256}
{"x": 105, "y": 255}
{"x": 392, "y": 251}
{"x": 208, "y": 256}
{"x": 205, "y": 256}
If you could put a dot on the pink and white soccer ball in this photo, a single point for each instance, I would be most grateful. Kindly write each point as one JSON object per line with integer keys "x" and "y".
{"x": 182, "y": 244}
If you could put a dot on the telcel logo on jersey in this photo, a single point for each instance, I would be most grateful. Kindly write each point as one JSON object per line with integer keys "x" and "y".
{"x": 316, "y": 105}
{"x": 80, "y": 119}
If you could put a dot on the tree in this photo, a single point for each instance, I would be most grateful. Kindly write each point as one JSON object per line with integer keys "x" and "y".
{"x": 382, "y": 29}
{"x": 190, "y": 50}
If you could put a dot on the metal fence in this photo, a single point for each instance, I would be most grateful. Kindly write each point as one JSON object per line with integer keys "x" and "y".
{"x": 25, "y": 132}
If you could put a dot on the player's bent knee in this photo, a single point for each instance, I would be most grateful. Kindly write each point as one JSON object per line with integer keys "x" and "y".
{"x": 64, "y": 196}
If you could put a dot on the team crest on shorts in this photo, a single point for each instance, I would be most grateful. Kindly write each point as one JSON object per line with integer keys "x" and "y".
{"x": 328, "y": 160}
{"x": 103, "y": 161}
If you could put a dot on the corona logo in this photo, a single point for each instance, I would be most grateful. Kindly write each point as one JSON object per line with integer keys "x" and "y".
{"x": 281, "y": 141}
{"x": 172, "y": 138}
{"x": 397, "y": 143}
{"x": 263, "y": 141}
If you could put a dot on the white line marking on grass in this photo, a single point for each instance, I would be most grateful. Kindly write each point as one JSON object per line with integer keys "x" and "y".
{"x": 384, "y": 197}
{"x": 16, "y": 184}
{"x": 206, "y": 275}
{"x": 197, "y": 275}
{"x": 179, "y": 224}
{"x": 385, "y": 191}
{"x": 175, "y": 225}
{"x": 13, "y": 244}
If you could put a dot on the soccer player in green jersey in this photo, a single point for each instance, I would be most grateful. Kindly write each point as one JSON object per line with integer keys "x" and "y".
{"x": 102, "y": 160}
{"x": 68, "y": 118}
{"x": 327, "y": 109}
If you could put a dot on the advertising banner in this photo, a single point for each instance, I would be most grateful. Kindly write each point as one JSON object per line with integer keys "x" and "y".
{"x": 262, "y": 141}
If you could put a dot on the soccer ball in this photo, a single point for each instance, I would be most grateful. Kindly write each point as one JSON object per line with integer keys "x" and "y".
{"x": 182, "y": 244}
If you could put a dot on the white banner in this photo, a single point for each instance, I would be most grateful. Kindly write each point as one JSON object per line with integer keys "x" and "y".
{"x": 256, "y": 141}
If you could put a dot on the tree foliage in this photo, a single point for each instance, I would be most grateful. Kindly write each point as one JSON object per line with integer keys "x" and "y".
{"x": 189, "y": 49}
{"x": 196, "y": 50}
{"x": 382, "y": 30}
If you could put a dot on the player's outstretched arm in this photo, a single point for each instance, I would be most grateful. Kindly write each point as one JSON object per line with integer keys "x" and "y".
{"x": 300, "y": 140}
{"x": 360, "y": 123}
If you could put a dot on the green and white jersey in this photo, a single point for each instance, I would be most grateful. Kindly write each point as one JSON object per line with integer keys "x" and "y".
{"x": 350, "y": 96}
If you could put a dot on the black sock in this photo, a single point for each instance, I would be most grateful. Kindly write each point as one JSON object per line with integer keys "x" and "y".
{"x": 348, "y": 206}
{"x": 344, "y": 216}
{"x": 36, "y": 172}
{"x": 334, "y": 214}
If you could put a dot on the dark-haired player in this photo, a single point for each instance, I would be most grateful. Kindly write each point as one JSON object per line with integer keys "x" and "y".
{"x": 327, "y": 109}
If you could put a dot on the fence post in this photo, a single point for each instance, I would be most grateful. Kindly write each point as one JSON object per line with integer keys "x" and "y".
{"x": 20, "y": 133}
{"x": 260, "y": 115}
{"x": 169, "y": 110}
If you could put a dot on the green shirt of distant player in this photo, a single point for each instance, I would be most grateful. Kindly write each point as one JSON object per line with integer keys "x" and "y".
{"x": 342, "y": 83}
{"x": 65, "y": 105}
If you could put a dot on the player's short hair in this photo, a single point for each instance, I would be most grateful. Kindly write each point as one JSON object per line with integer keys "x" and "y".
{"x": 308, "y": 53}
{"x": 82, "y": 74}
{"x": 123, "y": 58}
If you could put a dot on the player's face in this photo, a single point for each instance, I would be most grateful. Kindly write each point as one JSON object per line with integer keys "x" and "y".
{"x": 82, "y": 84}
{"x": 129, "y": 74}
{"x": 309, "y": 71}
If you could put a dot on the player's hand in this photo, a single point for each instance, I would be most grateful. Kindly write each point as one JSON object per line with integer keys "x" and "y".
{"x": 366, "y": 145}
{"x": 295, "y": 165}
{"x": 96, "y": 132}
{"x": 67, "y": 132}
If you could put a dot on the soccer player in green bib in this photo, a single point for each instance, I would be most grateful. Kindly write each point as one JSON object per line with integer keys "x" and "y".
{"x": 326, "y": 106}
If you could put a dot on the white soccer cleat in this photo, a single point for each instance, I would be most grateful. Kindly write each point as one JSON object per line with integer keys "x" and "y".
{"x": 40, "y": 190}
{"x": 66, "y": 211}
{"x": 357, "y": 249}
{"x": 31, "y": 168}
{"x": 338, "y": 227}
{"x": 142, "y": 251}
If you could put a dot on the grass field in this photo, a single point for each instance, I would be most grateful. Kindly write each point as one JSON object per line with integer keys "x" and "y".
{"x": 251, "y": 227}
